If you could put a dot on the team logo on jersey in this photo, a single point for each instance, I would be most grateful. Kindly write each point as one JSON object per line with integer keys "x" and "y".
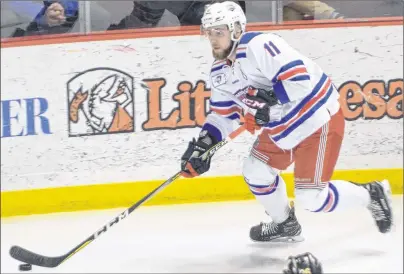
{"x": 100, "y": 101}
{"x": 219, "y": 80}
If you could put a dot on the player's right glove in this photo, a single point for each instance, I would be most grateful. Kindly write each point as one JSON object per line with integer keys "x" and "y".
{"x": 303, "y": 263}
{"x": 192, "y": 164}
{"x": 260, "y": 100}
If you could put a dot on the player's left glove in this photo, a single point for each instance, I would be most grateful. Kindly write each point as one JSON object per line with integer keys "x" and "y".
{"x": 260, "y": 100}
{"x": 303, "y": 263}
{"x": 192, "y": 164}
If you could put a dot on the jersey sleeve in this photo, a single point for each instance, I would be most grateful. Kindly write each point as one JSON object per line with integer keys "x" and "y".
{"x": 222, "y": 117}
{"x": 282, "y": 65}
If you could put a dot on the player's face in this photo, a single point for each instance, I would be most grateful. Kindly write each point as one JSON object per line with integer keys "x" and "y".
{"x": 220, "y": 41}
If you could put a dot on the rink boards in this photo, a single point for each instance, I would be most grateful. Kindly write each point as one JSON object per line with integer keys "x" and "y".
{"x": 99, "y": 122}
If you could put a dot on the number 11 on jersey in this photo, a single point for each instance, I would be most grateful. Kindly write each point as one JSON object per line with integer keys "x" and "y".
{"x": 272, "y": 49}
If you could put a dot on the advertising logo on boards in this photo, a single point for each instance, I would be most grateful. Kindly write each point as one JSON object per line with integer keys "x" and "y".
{"x": 373, "y": 100}
{"x": 100, "y": 101}
{"x": 24, "y": 117}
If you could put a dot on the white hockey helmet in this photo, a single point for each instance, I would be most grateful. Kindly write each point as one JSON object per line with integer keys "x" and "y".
{"x": 224, "y": 13}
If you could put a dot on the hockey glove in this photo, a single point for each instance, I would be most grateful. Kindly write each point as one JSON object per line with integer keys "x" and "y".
{"x": 192, "y": 164}
{"x": 303, "y": 263}
{"x": 260, "y": 100}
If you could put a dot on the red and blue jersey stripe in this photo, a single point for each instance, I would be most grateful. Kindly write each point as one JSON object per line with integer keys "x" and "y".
{"x": 264, "y": 190}
{"x": 245, "y": 39}
{"x": 217, "y": 65}
{"x": 303, "y": 111}
{"x": 331, "y": 201}
{"x": 293, "y": 71}
{"x": 241, "y": 52}
{"x": 227, "y": 109}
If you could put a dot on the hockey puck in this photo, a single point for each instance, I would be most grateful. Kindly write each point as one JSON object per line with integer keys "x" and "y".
{"x": 25, "y": 267}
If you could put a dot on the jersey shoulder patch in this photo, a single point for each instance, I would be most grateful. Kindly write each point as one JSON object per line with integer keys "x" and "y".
{"x": 217, "y": 75}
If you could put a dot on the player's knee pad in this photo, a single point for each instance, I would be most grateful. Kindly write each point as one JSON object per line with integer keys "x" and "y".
{"x": 259, "y": 175}
{"x": 311, "y": 199}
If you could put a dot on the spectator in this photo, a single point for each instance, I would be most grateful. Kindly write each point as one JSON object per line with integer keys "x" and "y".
{"x": 57, "y": 17}
{"x": 54, "y": 18}
{"x": 308, "y": 10}
{"x": 146, "y": 14}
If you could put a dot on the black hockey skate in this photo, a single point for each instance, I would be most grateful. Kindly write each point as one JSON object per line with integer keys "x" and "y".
{"x": 287, "y": 231}
{"x": 380, "y": 204}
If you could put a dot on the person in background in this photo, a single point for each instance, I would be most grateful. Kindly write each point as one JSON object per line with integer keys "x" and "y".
{"x": 309, "y": 10}
{"x": 55, "y": 17}
{"x": 147, "y": 14}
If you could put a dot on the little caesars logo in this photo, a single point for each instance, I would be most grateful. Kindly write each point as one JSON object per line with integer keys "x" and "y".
{"x": 100, "y": 102}
{"x": 373, "y": 100}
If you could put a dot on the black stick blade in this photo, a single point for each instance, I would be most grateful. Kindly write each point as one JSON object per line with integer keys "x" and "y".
{"x": 29, "y": 257}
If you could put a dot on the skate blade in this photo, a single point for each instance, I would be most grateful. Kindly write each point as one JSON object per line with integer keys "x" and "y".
{"x": 387, "y": 191}
{"x": 388, "y": 194}
{"x": 294, "y": 239}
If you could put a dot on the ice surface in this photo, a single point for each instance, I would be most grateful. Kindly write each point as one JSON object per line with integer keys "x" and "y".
{"x": 203, "y": 238}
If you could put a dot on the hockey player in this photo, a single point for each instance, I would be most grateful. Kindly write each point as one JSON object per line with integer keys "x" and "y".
{"x": 296, "y": 107}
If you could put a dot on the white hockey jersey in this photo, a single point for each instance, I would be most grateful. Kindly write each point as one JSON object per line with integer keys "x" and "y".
{"x": 306, "y": 96}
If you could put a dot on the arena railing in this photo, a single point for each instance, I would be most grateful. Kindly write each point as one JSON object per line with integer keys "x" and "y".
{"x": 92, "y": 20}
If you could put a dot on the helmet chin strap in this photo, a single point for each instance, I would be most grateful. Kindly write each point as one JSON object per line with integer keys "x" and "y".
{"x": 234, "y": 43}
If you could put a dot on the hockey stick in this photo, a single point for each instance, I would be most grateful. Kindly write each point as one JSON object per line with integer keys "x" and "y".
{"x": 32, "y": 258}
